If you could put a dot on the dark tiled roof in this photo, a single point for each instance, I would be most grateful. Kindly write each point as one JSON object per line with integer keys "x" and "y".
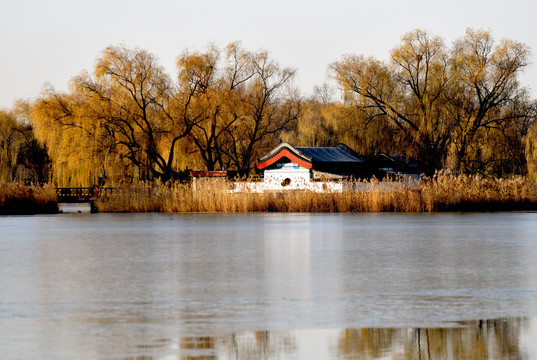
{"x": 338, "y": 159}
{"x": 329, "y": 154}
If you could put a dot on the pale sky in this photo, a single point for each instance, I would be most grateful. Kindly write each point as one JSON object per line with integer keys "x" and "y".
{"x": 54, "y": 40}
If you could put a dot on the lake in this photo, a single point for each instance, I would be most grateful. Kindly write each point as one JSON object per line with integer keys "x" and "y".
{"x": 271, "y": 286}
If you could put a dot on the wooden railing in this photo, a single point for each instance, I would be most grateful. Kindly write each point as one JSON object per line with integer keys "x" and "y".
{"x": 90, "y": 194}
{"x": 76, "y": 195}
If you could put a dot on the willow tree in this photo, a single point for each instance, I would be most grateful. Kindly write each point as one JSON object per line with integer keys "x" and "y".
{"x": 10, "y": 144}
{"x": 22, "y": 158}
{"x": 136, "y": 104}
{"x": 216, "y": 97}
{"x": 128, "y": 112}
{"x": 408, "y": 91}
{"x": 530, "y": 144}
{"x": 72, "y": 144}
{"x": 266, "y": 106}
{"x": 243, "y": 97}
{"x": 437, "y": 98}
{"x": 484, "y": 91}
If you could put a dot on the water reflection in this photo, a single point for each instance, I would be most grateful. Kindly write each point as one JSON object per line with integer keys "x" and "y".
{"x": 484, "y": 339}
{"x": 506, "y": 338}
{"x": 161, "y": 286}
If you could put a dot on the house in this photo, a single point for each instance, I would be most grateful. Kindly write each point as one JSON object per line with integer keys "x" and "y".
{"x": 311, "y": 168}
{"x": 317, "y": 163}
{"x": 326, "y": 169}
{"x": 394, "y": 166}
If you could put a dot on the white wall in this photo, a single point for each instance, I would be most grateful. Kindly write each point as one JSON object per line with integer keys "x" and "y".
{"x": 300, "y": 179}
{"x": 288, "y": 179}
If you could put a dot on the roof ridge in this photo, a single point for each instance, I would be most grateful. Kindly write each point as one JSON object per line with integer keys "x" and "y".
{"x": 272, "y": 156}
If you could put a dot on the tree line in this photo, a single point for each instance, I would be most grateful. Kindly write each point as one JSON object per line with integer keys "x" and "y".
{"x": 22, "y": 157}
{"x": 458, "y": 107}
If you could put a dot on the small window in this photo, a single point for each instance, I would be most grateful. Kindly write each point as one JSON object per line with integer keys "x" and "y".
{"x": 286, "y": 182}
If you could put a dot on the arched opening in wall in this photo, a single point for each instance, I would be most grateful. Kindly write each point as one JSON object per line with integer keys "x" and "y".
{"x": 286, "y": 182}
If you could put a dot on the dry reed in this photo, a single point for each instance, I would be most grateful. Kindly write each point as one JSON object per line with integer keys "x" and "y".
{"x": 18, "y": 199}
{"x": 443, "y": 192}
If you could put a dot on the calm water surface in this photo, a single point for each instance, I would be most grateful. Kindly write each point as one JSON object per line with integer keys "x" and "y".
{"x": 271, "y": 286}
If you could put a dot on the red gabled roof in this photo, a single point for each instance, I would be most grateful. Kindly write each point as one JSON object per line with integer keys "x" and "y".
{"x": 283, "y": 152}
{"x": 307, "y": 157}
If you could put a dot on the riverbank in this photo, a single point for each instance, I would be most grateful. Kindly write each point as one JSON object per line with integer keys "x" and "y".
{"x": 442, "y": 193}
{"x": 18, "y": 199}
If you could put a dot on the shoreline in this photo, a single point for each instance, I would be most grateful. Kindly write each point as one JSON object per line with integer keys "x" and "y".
{"x": 443, "y": 193}
{"x": 19, "y": 199}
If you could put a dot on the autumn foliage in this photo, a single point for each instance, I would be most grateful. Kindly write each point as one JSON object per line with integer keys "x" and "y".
{"x": 460, "y": 107}
{"x": 457, "y": 107}
{"x": 130, "y": 122}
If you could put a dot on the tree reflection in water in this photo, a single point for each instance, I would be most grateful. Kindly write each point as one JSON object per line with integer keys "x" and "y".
{"x": 483, "y": 339}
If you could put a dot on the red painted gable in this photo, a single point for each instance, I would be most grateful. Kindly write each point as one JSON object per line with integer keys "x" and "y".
{"x": 284, "y": 153}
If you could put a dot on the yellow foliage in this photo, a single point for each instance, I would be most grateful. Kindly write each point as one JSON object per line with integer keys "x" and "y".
{"x": 128, "y": 122}
{"x": 441, "y": 99}
{"x": 531, "y": 153}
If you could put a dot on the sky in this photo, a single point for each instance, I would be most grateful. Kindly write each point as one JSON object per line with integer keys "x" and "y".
{"x": 52, "y": 41}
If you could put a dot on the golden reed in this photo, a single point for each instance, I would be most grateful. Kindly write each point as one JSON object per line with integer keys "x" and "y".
{"x": 16, "y": 199}
{"x": 443, "y": 192}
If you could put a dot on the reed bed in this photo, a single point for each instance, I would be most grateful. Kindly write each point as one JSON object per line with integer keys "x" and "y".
{"x": 19, "y": 199}
{"x": 443, "y": 192}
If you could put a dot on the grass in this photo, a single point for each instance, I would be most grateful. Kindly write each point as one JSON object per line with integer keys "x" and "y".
{"x": 19, "y": 199}
{"x": 443, "y": 192}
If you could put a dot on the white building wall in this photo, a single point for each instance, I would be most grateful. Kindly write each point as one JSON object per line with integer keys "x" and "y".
{"x": 292, "y": 179}
{"x": 288, "y": 179}
{"x": 300, "y": 179}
